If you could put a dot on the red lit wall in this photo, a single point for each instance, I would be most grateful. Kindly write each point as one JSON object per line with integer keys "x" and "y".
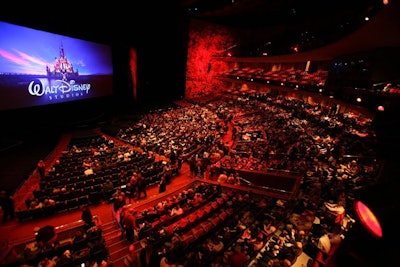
{"x": 207, "y": 42}
{"x": 133, "y": 66}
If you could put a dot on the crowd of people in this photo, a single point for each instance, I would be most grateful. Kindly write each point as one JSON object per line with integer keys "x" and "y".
{"x": 333, "y": 151}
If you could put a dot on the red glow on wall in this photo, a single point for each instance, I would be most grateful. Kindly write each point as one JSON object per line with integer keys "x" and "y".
{"x": 368, "y": 219}
{"x": 132, "y": 63}
{"x": 207, "y": 43}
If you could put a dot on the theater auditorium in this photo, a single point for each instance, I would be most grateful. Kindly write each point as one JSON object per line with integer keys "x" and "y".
{"x": 200, "y": 133}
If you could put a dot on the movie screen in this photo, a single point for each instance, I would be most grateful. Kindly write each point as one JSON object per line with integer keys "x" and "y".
{"x": 40, "y": 68}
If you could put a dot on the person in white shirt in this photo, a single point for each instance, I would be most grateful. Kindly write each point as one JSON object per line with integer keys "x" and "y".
{"x": 337, "y": 210}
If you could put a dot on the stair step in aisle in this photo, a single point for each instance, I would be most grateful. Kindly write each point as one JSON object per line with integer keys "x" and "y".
{"x": 116, "y": 243}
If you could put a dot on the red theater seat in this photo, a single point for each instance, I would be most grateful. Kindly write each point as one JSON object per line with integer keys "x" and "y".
{"x": 215, "y": 220}
{"x": 198, "y": 231}
{"x": 208, "y": 209}
{"x": 223, "y": 215}
{"x": 188, "y": 238}
{"x": 200, "y": 213}
{"x": 207, "y": 226}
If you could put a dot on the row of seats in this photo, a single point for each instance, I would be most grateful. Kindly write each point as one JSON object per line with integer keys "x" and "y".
{"x": 57, "y": 208}
{"x": 222, "y": 217}
{"x": 69, "y": 251}
{"x": 62, "y": 190}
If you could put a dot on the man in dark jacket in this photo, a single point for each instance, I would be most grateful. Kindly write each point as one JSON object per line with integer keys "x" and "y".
{"x": 8, "y": 206}
{"x": 141, "y": 186}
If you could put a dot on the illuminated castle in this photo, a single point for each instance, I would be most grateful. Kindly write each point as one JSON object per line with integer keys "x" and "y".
{"x": 62, "y": 67}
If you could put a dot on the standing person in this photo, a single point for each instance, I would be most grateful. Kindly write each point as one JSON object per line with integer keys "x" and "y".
{"x": 145, "y": 252}
{"x": 133, "y": 258}
{"x": 207, "y": 172}
{"x": 130, "y": 192}
{"x": 87, "y": 217}
{"x": 119, "y": 201}
{"x": 132, "y": 188}
{"x": 192, "y": 166}
{"x": 162, "y": 186}
{"x": 8, "y": 206}
{"x": 167, "y": 172}
{"x": 108, "y": 190}
{"x": 41, "y": 168}
{"x": 141, "y": 186}
{"x": 129, "y": 225}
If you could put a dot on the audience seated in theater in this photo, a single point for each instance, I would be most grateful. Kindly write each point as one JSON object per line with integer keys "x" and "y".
{"x": 222, "y": 178}
{"x": 34, "y": 203}
{"x": 214, "y": 244}
{"x": 321, "y": 160}
{"x": 236, "y": 258}
{"x": 337, "y": 210}
{"x": 46, "y": 262}
{"x": 329, "y": 240}
{"x": 97, "y": 166}
{"x": 268, "y": 229}
{"x": 172, "y": 257}
{"x": 176, "y": 210}
{"x": 56, "y": 167}
{"x": 88, "y": 171}
{"x": 237, "y": 178}
{"x": 197, "y": 199}
{"x": 258, "y": 242}
{"x": 231, "y": 178}
{"x": 87, "y": 162}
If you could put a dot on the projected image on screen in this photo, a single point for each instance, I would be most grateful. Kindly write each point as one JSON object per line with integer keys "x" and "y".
{"x": 42, "y": 68}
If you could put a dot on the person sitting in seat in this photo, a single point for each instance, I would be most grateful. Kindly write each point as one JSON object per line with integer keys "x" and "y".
{"x": 337, "y": 210}
{"x": 237, "y": 258}
{"x": 177, "y": 210}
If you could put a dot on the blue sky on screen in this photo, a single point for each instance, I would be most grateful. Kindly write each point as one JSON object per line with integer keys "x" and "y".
{"x": 27, "y": 51}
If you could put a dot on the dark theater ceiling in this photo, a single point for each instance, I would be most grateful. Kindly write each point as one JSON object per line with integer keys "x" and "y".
{"x": 278, "y": 27}
{"x": 115, "y": 21}
{"x": 260, "y": 13}
{"x": 308, "y": 24}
